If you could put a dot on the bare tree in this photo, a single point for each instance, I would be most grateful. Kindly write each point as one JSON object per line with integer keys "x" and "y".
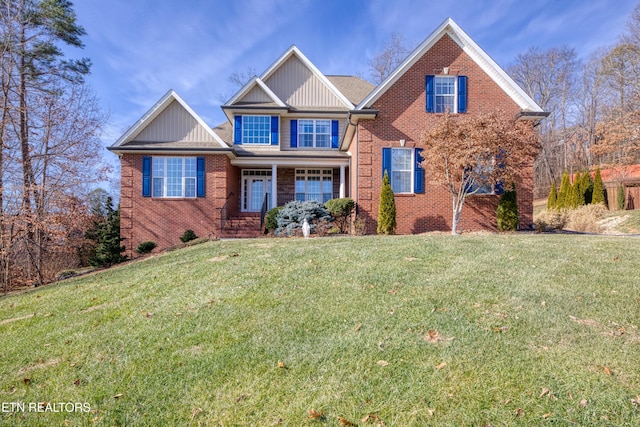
{"x": 387, "y": 60}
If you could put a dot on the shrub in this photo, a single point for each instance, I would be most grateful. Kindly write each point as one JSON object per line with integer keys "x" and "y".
{"x": 291, "y": 217}
{"x": 598, "y": 189}
{"x": 586, "y": 188}
{"x": 550, "y": 220}
{"x": 564, "y": 193}
{"x": 188, "y": 236}
{"x": 552, "y": 201}
{"x": 340, "y": 210}
{"x": 507, "y": 212}
{"x": 271, "y": 219}
{"x": 146, "y": 247}
{"x": 387, "y": 210}
{"x": 585, "y": 219}
{"x": 621, "y": 198}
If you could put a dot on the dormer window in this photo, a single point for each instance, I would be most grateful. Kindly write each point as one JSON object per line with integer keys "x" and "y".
{"x": 262, "y": 130}
{"x": 446, "y": 93}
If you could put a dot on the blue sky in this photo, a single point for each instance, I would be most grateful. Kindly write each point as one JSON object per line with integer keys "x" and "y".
{"x": 142, "y": 48}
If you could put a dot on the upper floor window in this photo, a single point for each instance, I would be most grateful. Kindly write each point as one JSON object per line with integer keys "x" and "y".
{"x": 173, "y": 176}
{"x": 446, "y": 93}
{"x": 314, "y": 133}
{"x": 256, "y": 130}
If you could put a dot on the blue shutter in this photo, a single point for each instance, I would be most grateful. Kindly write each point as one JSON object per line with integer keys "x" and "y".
{"x": 294, "y": 134}
{"x": 498, "y": 188}
{"x": 274, "y": 130}
{"x": 146, "y": 176}
{"x": 418, "y": 173}
{"x": 334, "y": 134}
{"x": 431, "y": 94}
{"x": 200, "y": 177}
{"x": 237, "y": 130}
{"x": 462, "y": 94}
{"x": 386, "y": 162}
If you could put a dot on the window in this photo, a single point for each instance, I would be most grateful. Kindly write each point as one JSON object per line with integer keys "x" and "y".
{"x": 446, "y": 93}
{"x": 174, "y": 176}
{"x": 402, "y": 165}
{"x": 481, "y": 171}
{"x": 314, "y": 184}
{"x": 401, "y": 170}
{"x": 314, "y": 133}
{"x": 256, "y": 130}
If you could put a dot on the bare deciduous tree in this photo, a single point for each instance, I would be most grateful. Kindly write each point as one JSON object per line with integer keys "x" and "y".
{"x": 387, "y": 60}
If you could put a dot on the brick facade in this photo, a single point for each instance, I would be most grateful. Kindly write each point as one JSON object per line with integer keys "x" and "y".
{"x": 163, "y": 220}
{"x": 402, "y": 115}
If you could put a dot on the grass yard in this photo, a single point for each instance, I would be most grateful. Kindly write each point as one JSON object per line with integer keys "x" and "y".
{"x": 395, "y": 331}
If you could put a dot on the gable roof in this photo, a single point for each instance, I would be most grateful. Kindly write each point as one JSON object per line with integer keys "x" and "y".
{"x": 257, "y": 84}
{"x": 484, "y": 61}
{"x": 155, "y": 111}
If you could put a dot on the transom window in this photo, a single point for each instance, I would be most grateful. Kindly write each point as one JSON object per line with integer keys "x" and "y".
{"x": 174, "y": 177}
{"x": 314, "y": 184}
{"x": 256, "y": 129}
{"x": 445, "y": 94}
{"x": 401, "y": 170}
{"x": 314, "y": 133}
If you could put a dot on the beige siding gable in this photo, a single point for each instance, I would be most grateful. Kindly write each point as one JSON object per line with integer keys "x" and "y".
{"x": 174, "y": 124}
{"x": 255, "y": 96}
{"x": 296, "y": 85}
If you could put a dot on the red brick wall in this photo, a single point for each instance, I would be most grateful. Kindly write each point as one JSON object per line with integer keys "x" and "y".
{"x": 402, "y": 115}
{"x": 164, "y": 220}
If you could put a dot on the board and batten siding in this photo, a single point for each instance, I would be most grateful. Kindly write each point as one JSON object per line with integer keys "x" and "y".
{"x": 296, "y": 85}
{"x": 172, "y": 125}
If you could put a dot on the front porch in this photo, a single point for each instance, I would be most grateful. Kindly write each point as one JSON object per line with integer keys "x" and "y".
{"x": 261, "y": 189}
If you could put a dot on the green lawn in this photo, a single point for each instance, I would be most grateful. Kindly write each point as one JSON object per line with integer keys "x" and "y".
{"x": 409, "y": 330}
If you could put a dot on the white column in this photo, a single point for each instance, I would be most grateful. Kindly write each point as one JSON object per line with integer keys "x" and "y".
{"x": 274, "y": 186}
{"x": 342, "y": 183}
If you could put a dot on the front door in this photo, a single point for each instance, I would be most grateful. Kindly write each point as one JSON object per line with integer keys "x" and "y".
{"x": 255, "y": 188}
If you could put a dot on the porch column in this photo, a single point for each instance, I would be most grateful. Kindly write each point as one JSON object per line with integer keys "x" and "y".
{"x": 342, "y": 184}
{"x": 274, "y": 186}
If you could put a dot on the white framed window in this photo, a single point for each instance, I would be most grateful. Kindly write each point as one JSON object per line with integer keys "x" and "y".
{"x": 483, "y": 168}
{"x": 256, "y": 129}
{"x": 401, "y": 170}
{"x": 314, "y": 184}
{"x": 174, "y": 177}
{"x": 445, "y": 94}
{"x": 314, "y": 133}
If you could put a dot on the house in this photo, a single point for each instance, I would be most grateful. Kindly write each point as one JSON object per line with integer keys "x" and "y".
{"x": 295, "y": 133}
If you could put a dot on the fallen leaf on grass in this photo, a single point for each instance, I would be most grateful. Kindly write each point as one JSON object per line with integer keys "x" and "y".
{"x": 195, "y": 411}
{"x": 545, "y": 416}
{"x": 583, "y": 403}
{"x": 440, "y": 366}
{"x": 544, "y": 392}
{"x": 118, "y": 396}
{"x": 634, "y": 402}
{"x": 383, "y": 363}
{"x": 519, "y": 412}
{"x": 606, "y": 370}
{"x": 241, "y": 398}
{"x": 357, "y": 328}
{"x": 148, "y": 315}
{"x": 26, "y": 380}
{"x": 372, "y": 418}
{"x": 345, "y": 422}
{"x": 432, "y": 336}
{"x": 281, "y": 364}
{"x": 315, "y": 415}
{"x": 77, "y": 382}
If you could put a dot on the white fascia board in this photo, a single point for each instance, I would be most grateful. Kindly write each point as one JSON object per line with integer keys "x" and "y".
{"x": 255, "y": 81}
{"x": 293, "y": 50}
{"x": 480, "y": 57}
{"x": 158, "y": 108}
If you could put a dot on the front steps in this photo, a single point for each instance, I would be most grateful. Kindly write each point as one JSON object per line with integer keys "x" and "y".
{"x": 243, "y": 225}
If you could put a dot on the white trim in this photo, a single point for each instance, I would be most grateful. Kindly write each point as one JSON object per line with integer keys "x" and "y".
{"x": 293, "y": 50}
{"x": 484, "y": 61}
{"x": 155, "y": 111}
{"x": 255, "y": 81}
{"x": 293, "y": 162}
{"x": 411, "y": 169}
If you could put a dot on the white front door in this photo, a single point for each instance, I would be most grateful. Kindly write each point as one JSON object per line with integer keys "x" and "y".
{"x": 255, "y": 188}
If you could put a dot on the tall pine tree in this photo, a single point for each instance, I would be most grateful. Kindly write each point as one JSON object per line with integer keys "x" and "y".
{"x": 564, "y": 193}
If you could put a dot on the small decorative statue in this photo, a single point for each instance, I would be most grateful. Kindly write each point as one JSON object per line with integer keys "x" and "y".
{"x": 306, "y": 229}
